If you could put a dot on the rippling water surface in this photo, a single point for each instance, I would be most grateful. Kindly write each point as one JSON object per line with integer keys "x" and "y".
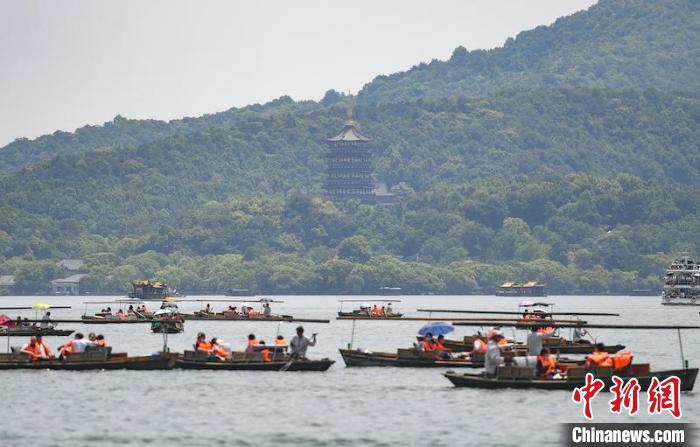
{"x": 343, "y": 406}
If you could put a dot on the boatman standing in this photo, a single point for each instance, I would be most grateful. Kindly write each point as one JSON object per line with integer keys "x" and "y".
{"x": 300, "y": 343}
{"x": 534, "y": 341}
{"x": 46, "y": 320}
{"x": 493, "y": 354}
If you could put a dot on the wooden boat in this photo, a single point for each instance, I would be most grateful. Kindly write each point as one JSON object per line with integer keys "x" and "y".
{"x": 363, "y": 315}
{"x": 235, "y": 316}
{"x": 555, "y": 344}
{"x": 409, "y": 358}
{"x": 88, "y": 319}
{"x": 97, "y": 360}
{"x": 412, "y": 358}
{"x": 29, "y": 331}
{"x": 241, "y": 361}
{"x": 168, "y": 326}
{"x": 526, "y": 381}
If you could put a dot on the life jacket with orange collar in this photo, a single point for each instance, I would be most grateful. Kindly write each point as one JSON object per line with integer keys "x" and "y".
{"x": 37, "y": 350}
{"x": 598, "y": 359}
{"x": 479, "y": 345}
{"x": 267, "y": 358}
{"x": 545, "y": 365}
{"x": 429, "y": 345}
{"x": 67, "y": 347}
{"x": 203, "y": 345}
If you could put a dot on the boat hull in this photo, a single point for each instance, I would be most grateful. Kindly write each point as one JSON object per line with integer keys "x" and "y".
{"x": 297, "y": 365}
{"x": 142, "y": 363}
{"x": 568, "y": 348}
{"x": 100, "y": 320}
{"x": 461, "y": 380}
{"x": 24, "y": 332}
{"x": 361, "y": 359}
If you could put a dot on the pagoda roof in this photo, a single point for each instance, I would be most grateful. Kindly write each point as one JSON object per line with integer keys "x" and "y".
{"x": 350, "y": 133}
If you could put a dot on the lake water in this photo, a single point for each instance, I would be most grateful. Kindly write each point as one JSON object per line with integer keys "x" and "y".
{"x": 343, "y": 406}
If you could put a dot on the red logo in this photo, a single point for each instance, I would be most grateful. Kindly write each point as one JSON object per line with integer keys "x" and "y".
{"x": 665, "y": 395}
{"x": 586, "y": 393}
{"x": 661, "y": 395}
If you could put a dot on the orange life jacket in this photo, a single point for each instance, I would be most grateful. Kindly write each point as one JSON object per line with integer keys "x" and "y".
{"x": 282, "y": 342}
{"x": 219, "y": 352}
{"x": 598, "y": 359}
{"x": 440, "y": 347}
{"x": 267, "y": 358}
{"x": 35, "y": 350}
{"x": 546, "y": 365}
{"x": 203, "y": 346}
{"x": 376, "y": 311}
{"x": 479, "y": 345}
{"x": 121, "y": 316}
{"x": 429, "y": 345}
{"x": 502, "y": 342}
{"x": 621, "y": 361}
{"x": 67, "y": 348}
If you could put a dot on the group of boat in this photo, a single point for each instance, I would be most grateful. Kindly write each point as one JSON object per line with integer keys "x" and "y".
{"x": 517, "y": 371}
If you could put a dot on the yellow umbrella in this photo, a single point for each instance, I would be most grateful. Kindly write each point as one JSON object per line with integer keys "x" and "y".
{"x": 41, "y": 306}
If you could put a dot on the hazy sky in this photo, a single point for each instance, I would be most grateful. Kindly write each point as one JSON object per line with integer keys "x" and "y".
{"x": 64, "y": 64}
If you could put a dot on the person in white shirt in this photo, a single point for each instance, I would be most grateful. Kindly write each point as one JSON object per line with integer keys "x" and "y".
{"x": 493, "y": 354}
{"x": 45, "y": 320}
{"x": 300, "y": 343}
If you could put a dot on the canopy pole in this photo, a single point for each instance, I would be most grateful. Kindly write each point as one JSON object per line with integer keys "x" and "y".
{"x": 680, "y": 344}
{"x": 8, "y": 339}
{"x": 352, "y": 335}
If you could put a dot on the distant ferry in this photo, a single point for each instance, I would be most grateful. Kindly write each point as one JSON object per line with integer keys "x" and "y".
{"x": 151, "y": 290}
{"x": 530, "y": 288}
{"x": 682, "y": 283}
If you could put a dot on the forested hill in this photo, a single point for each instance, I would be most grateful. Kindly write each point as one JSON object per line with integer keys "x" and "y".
{"x": 122, "y": 132}
{"x": 615, "y": 44}
{"x": 630, "y": 44}
{"x": 112, "y": 191}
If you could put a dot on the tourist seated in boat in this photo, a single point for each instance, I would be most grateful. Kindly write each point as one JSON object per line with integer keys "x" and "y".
{"x": 442, "y": 351}
{"x": 479, "y": 343}
{"x": 130, "y": 310}
{"x": 599, "y": 357}
{"x": 108, "y": 311}
{"x": 266, "y": 355}
{"x": 389, "y": 310}
{"x": 579, "y": 334}
{"x": 280, "y": 341}
{"x": 378, "y": 311}
{"x": 429, "y": 344}
{"x": 75, "y": 345}
{"x": 100, "y": 341}
{"x": 92, "y": 337}
{"x": 218, "y": 351}
{"x": 252, "y": 343}
{"x": 266, "y": 310}
{"x": 201, "y": 344}
{"x": 493, "y": 358}
{"x": 37, "y": 348}
{"x": 300, "y": 343}
{"x": 208, "y": 309}
{"x": 121, "y": 315}
{"x": 546, "y": 365}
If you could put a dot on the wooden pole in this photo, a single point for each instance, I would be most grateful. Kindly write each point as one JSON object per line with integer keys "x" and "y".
{"x": 680, "y": 343}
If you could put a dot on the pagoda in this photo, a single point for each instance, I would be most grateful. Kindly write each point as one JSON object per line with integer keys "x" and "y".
{"x": 349, "y": 173}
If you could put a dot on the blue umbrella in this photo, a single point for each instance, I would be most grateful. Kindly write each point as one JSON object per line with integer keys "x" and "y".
{"x": 436, "y": 328}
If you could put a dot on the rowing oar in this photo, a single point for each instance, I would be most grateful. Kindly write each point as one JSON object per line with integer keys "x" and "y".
{"x": 504, "y": 312}
{"x": 29, "y": 308}
{"x": 569, "y": 325}
{"x": 286, "y": 366}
